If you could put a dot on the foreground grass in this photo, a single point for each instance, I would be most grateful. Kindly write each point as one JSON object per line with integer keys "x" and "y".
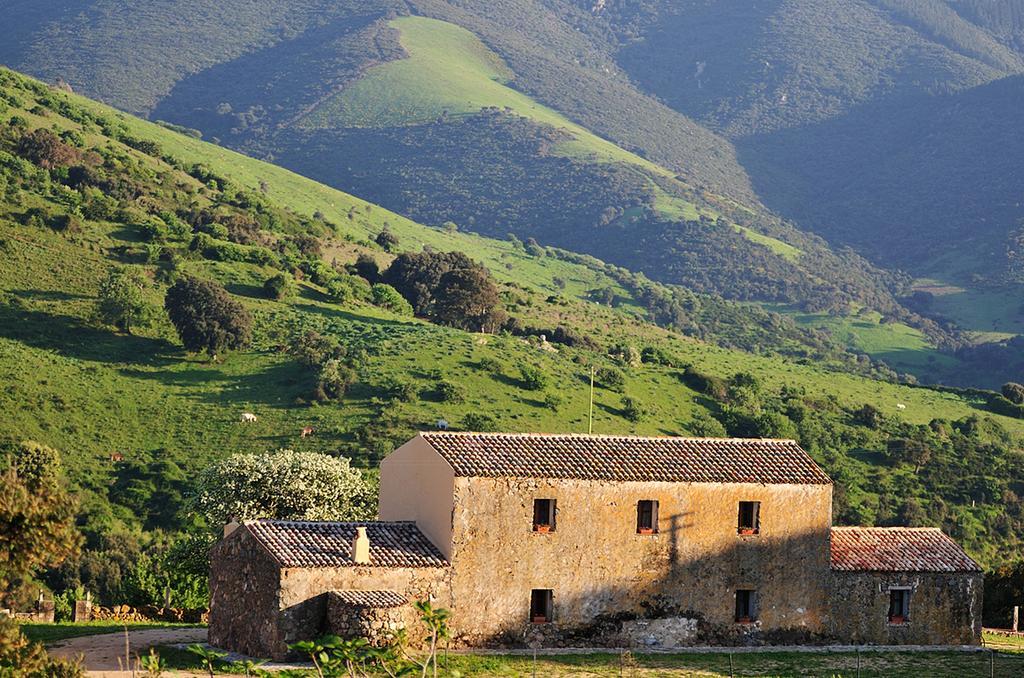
{"x": 934, "y": 664}
{"x": 1003, "y": 643}
{"x": 49, "y": 633}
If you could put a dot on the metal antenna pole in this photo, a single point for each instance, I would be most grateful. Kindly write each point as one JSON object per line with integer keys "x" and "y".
{"x": 590, "y": 427}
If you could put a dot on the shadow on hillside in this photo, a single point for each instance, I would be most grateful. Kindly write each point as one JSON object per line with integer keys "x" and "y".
{"x": 245, "y": 290}
{"x": 275, "y": 386}
{"x": 73, "y": 338}
{"x": 297, "y": 72}
{"x": 50, "y": 295}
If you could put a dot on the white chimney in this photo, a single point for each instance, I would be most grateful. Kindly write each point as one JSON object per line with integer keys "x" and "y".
{"x": 230, "y": 527}
{"x": 361, "y": 547}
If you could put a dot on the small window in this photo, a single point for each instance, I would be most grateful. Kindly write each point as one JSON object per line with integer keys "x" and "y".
{"x": 899, "y": 606}
{"x": 745, "y": 606}
{"x": 750, "y": 517}
{"x": 541, "y": 606}
{"x": 647, "y": 517}
{"x": 543, "y": 515}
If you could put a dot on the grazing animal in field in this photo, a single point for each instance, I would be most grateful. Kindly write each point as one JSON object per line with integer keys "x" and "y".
{"x": 116, "y": 456}
{"x": 308, "y": 431}
{"x": 248, "y": 417}
{"x": 900, "y": 406}
{"x": 442, "y": 424}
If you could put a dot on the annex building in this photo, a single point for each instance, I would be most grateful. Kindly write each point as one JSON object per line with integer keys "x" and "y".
{"x": 587, "y": 540}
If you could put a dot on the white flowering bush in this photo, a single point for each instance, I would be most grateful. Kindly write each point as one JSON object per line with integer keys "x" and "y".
{"x": 287, "y": 485}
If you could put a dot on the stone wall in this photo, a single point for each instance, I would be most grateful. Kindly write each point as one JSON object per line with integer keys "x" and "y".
{"x": 243, "y": 596}
{"x": 945, "y": 608}
{"x": 304, "y": 594}
{"x": 604, "y": 575}
{"x": 375, "y": 624}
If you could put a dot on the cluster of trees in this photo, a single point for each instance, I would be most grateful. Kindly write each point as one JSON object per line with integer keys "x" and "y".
{"x": 449, "y": 288}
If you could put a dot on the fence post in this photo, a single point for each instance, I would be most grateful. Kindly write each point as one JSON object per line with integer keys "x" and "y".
{"x": 1016, "y": 618}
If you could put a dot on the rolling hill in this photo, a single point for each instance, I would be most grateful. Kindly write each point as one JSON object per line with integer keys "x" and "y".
{"x": 451, "y": 117}
{"x": 649, "y": 134}
{"x": 136, "y": 417}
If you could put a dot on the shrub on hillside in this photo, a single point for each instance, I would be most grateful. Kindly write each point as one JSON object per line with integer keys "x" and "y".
{"x": 333, "y": 380}
{"x": 367, "y": 268}
{"x": 467, "y": 298}
{"x": 1005, "y": 406}
{"x": 449, "y": 288}
{"x": 477, "y": 421}
{"x": 387, "y": 240}
{"x": 610, "y": 378}
{"x": 533, "y": 377}
{"x": 347, "y": 289}
{"x": 553, "y": 401}
{"x": 450, "y": 392}
{"x": 707, "y": 384}
{"x": 633, "y": 409}
{"x": 398, "y": 389}
{"x": 280, "y": 286}
{"x": 46, "y": 149}
{"x": 313, "y": 349}
{"x": 206, "y": 317}
{"x": 386, "y": 296}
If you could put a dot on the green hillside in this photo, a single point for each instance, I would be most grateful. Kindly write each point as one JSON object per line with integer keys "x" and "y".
{"x": 176, "y": 206}
{"x": 540, "y": 119}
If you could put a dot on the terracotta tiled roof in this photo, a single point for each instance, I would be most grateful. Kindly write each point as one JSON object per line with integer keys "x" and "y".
{"x": 329, "y": 544}
{"x": 598, "y": 457}
{"x": 897, "y": 549}
{"x": 378, "y": 599}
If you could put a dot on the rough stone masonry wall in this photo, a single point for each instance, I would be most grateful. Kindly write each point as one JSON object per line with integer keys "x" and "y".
{"x": 375, "y": 624}
{"x": 945, "y": 608}
{"x": 304, "y": 594}
{"x": 243, "y": 596}
{"x": 606, "y": 578}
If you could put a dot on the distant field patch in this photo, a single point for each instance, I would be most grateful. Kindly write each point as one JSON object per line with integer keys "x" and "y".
{"x": 449, "y": 71}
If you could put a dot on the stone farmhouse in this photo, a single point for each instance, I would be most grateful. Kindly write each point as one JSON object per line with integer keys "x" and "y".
{"x": 586, "y": 540}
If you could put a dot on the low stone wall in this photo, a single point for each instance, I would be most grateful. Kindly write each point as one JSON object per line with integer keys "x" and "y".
{"x": 375, "y": 624}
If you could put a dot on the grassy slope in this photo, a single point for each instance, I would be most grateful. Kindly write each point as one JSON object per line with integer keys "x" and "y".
{"x": 91, "y": 392}
{"x": 449, "y": 71}
{"x": 81, "y": 268}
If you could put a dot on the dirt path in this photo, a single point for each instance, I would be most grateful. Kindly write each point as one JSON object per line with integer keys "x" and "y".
{"x": 102, "y": 652}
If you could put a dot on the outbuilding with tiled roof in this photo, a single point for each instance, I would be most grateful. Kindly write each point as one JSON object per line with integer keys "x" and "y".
{"x": 904, "y": 585}
{"x": 276, "y": 582}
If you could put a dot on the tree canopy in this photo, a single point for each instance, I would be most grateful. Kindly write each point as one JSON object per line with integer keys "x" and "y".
{"x": 37, "y": 515}
{"x": 286, "y": 485}
{"x": 121, "y": 301}
{"x": 448, "y": 287}
{"x": 206, "y": 317}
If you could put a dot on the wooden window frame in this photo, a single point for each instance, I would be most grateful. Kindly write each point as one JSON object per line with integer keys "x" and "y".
{"x": 647, "y": 508}
{"x": 752, "y": 526}
{"x": 901, "y": 616}
{"x": 542, "y": 523}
